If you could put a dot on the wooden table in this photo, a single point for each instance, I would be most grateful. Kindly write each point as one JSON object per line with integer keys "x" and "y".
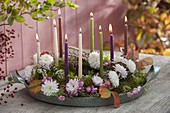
{"x": 155, "y": 100}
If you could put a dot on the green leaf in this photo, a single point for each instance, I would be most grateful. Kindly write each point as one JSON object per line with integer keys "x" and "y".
{"x": 10, "y": 20}
{"x": 15, "y": 12}
{"x": 51, "y": 1}
{"x": 71, "y": 4}
{"x": 3, "y": 17}
{"x": 6, "y": 2}
{"x": 9, "y": 9}
{"x": 20, "y": 19}
{"x": 21, "y": 1}
{"x": 40, "y": 19}
{"x": 52, "y": 14}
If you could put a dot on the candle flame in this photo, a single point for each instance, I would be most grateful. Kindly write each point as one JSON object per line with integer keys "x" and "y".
{"x": 91, "y": 14}
{"x": 59, "y": 11}
{"x": 37, "y": 38}
{"x": 80, "y": 30}
{"x": 125, "y": 18}
{"x": 66, "y": 37}
{"x": 54, "y": 22}
{"x": 110, "y": 28}
{"x": 100, "y": 27}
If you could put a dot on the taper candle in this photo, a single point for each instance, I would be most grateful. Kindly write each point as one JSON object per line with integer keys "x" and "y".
{"x": 91, "y": 32}
{"x": 80, "y": 55}
{"x": 111, "y": 43}
{"x": 55, "y": 43}
{"x": 60, "y": 34}
{"x": 101, "y": 50}
{"x": 66, "y": 56}
{"x": 38, "y": 48}
{"x": 126, "y": 37}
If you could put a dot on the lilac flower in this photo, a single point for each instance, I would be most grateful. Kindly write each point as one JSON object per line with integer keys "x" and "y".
{"x": 74, "y": 86}
{"x": 62, "y": 98}
{"x": 46, "y": 78}
{"x": 107, "y": 63}
{"x": 134, "y": 92}
{"x": 107, "y": 83}
{"x": 88, "y": 89}
{"x": 91, "y": 89}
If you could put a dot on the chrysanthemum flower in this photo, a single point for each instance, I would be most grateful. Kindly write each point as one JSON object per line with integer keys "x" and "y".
{"x": 121, "y": 70}
{"x": 114, "y": 79}
{"x": 74, "y": 86}
{"x": 46, "y": 60}
{"x": 49, "y": 87}
{"x": 97, "y": 80}
{"x": 94, "y": 60}
{"x": 131, "y": 66}
{"x": 27, "y": 73}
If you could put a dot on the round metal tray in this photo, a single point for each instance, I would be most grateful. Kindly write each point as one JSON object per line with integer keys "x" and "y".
{"x": 87, "y": 101}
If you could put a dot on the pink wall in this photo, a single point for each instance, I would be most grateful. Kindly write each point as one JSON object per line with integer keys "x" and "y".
{"x": 105, "y": 12}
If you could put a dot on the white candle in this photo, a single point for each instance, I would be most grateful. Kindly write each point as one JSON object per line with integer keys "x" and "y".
{"x": 80, "y": 55}
{"x": 38, "y": 48}
{"x": 55, "y": 43}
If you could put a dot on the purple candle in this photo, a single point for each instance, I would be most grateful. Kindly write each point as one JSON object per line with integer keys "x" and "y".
{"x": 126, "y": 37}
{"x": 111, "y": 43}
{"x": 66, "y": 56}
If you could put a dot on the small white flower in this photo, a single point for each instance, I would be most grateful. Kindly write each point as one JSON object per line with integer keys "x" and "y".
{"x": 121, "y": 70}
{"x": 131, "y": 66}
{"x": 94, "y": 60}
{"x": 114, "y": 79}
{"x": 97, "y": 80}
{"x": 27, "y": 73}
{"x": 49, "y": 87}
{"x": 120, "y": 59}
{"x": 46, "y": 60}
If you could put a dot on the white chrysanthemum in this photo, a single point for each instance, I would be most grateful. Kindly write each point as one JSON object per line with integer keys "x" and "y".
{"x": 121, "y": 70}
{"x": 94, "y": 60}
{"x": 27, "y": 73}
{"x": 114, "y": 79}
{"x": 49, "y": 87}
{"x": 131, "y": 66}
{"x": 97, "y": 80}
{"x": 46, "y": 60}
{"x": 120, "y": 59}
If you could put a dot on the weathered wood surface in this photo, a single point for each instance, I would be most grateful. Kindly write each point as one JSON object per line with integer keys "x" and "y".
{"x": 155, "y": 100}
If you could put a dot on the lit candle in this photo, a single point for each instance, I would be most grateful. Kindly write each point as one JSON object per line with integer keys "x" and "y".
{"x": 66, "y": 56}
{"x": 91, "y": 32}
{"x": 101, "y": 51}
{"x": 60, "y": 34}
{"x": 111, "y": 43}
{"x": 126, "y": 37}
{"x": 55, "y": 44}
{"x": 38, "y": 48}
{"x": 80, "y": 55}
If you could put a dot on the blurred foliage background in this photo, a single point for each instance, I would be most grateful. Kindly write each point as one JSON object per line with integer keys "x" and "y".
{"x": 151, "y": 21}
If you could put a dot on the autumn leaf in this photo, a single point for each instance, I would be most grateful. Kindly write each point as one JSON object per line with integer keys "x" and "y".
{"x": 35, "y": 86}
{"x": 104, "y": 92}
{"x": 116, "y": 99}
{"x": 144, "y": 62}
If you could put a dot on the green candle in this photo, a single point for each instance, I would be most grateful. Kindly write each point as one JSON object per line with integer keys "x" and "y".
{"x": 91, "y": 32}
{"x": 101, "y": 51}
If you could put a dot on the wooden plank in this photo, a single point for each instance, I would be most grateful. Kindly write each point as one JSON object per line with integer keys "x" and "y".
{"x": 83, "y": 22}
{"x": 70, "y": 26}
{"x": 45, "y": 35}
{"x": 2, "y": 66}
{"x": 29, "y": 41}
{"x": 16, "y": 44}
